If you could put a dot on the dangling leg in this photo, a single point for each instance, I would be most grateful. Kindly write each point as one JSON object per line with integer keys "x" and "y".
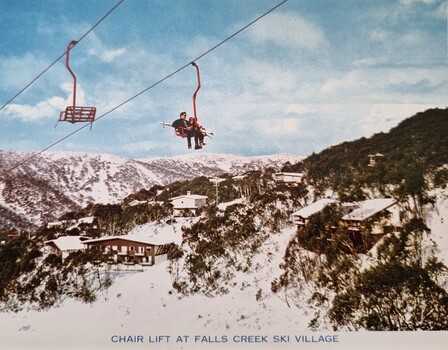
{"x": 201, "y": 138}
{"x": 189, "y": 140}
{"x": 197, "y": 145}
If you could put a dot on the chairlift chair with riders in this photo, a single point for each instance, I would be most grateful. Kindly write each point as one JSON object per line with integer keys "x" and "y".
{"x": 181, "y": 132}
{"x": 75, "y": 114}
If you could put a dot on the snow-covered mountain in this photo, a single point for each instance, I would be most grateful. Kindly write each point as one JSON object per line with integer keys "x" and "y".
{"x": 43, "y": 186}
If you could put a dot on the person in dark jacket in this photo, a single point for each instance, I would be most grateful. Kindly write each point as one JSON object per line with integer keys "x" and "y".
{"x": 184, "y": 129}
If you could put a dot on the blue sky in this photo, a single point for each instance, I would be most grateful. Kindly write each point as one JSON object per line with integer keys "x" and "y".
{"x": 309, "y": 75}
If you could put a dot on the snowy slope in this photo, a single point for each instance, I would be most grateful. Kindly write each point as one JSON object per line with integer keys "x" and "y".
{"x": 437, "y": 221}
{"x": 43, "y": 186}
{"x": 140, "y": 304}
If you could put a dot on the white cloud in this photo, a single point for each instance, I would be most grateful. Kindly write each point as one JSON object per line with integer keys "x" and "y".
{"x": 412, "y": 47}
{"x": 105, "y": 54}
{"x": 387, "y": 85}
{"x": 289, "y": 30}
{"x": 383, "y": 117}
{"x": 413, "y": 38}
{"x": 297, "y": 109}
{"x": 110, "y": 55}
{"x": 411, "y": 2}
{"x": 379, "y": 35}
{"x": 436, "y": 8}
{"x": 17, "y": 71}
{"x": 31, "y": 113}
{"x": 49, "y": 108}
{"x": 80, "y": 95}
{"x": 336, "y": 122}
{"x": 371, "y": 61}
{"x": 271, "y": 78}
{"x": 442, "y": 10}
{"x": 278, "y": 127}
{"x": 352, "y": 80}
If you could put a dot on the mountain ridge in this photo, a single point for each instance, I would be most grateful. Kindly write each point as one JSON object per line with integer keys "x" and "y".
{"x": 42, "y": 187}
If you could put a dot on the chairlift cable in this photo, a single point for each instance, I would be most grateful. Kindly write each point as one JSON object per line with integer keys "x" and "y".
{"x": 62, "y": 55}
{"x": 145, "y": 90}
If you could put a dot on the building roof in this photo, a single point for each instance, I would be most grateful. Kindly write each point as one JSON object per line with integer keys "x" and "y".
{"x": 54, "y": 223}
{"x": 86, "y": 220}
{"x": 68, "y": 242}
{"x": 190, "y": 196}
{"x": 290, "y": 174}
{"x": 368, "y": 208}
{"x": 136, "y": 202}
{"x": 154, "y": 240}
{"x": 314, "y": 208}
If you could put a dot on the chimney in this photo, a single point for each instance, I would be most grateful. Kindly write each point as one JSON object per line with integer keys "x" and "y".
{"x": 188, "y": 193}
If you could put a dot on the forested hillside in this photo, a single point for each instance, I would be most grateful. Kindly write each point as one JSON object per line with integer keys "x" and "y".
{"x": 400, "y": 284}
{"x": 417, "y": 147}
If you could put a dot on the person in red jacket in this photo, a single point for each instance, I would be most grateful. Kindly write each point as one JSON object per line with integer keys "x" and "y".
{"x": 197, "y": 132}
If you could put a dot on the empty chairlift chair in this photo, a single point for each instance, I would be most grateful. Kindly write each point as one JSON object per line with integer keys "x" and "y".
{"x": 76, "y": 114}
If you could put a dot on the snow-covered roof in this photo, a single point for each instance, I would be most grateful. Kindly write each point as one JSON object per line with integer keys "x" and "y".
{"x": 141, "y": 237}
{"x": 153, "y": 240}
{"x": 54, "y": 223}
{"x": 86, "y": 220}
{"x": 368, "y": 208}
{"x": 289, "y": 174}
{"x": 190, "y": 196}
{"x": 151, "y": 233}
{"x": 314, "y": 208}
{"x": 68, "y": 242}
{"x": 136, "y": 202}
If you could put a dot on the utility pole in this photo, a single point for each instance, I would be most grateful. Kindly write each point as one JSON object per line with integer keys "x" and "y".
{"x": 217, "y": 192}
{"x": 215, "y": 180}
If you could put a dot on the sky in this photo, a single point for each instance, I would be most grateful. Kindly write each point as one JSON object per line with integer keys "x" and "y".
{"x": 309, "y": 75}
